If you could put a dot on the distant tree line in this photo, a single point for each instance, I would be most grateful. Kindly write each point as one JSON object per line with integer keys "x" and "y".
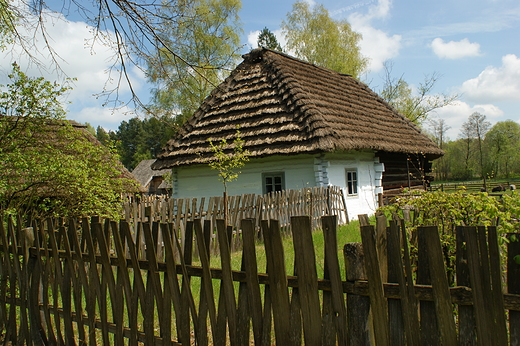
{"x": 138, "y": 139}
{"x": 481, "y": 151}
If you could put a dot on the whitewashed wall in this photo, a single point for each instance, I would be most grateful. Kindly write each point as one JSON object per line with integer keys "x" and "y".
{"x": 201, "y": 181}
{"x": 300, "y": 171}
{"x": 369, "y": 174}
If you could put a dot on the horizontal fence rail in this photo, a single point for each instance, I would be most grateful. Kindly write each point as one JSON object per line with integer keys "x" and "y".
{"x": 91, "y": 281}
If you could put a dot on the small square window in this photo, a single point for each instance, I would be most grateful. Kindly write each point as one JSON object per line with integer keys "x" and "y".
{"x": 273, "y": 182}
{"x": 352, "y": 181}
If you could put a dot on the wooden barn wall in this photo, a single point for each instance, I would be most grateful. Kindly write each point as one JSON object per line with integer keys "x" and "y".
{"x": 402, "y": 170}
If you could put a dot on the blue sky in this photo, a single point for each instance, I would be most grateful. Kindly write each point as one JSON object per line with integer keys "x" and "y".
{"x": 473, "y": 44}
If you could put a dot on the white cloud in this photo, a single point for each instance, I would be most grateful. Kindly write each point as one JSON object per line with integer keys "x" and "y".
{"x": 495, "y": 83}
{"x": 108, "y": 118}
{"x": 375, "y": 44}
{"x": 458, "y": 113}
{"x": 378, "y": 46}
{"x": 455, "y": 49}
{"x": 252, "y": 38}
{"x": 310, "y": 2}
{"x": 78, "y": 57}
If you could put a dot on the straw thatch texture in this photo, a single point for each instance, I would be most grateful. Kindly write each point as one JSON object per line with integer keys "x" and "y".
{"x": 285, "y": 106}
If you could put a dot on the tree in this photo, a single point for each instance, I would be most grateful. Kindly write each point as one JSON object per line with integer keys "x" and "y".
{"x": 227, "y": 162}
{"x": 7, "y": 22}
{"x": 49, "y": 166}
{"x": 135, "y": 31}
{"x": 207, "y": 38}
{"x": 268, "y": 40}
{"x": 439, "y": 135}
{"x": 503, "y": 146}
{"x": 415, "y": 106}
{"x": 315, "y": 37}
{"x": 475, "y": 129}
{"x": 102, "y": 136}
{"x": 138, "y": 140}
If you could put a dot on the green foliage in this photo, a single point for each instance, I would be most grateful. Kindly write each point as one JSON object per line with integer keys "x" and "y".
{"x": 138, "y": 140}
{"x": 481, "y": 151}
{"x": 268, "y": 40}
{"x": 502, "y": 147}
{"x": 7, "y": 23}
{"x": 207, "y": 38}
{"x": 448, "y": 210}
{"x": 50, "y": 167}
{"x": 228, "y": 163}
{"x": 317, "y": 38}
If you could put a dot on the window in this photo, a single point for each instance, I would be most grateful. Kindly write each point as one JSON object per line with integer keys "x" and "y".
{"x": 273, "y": 182}
{"x": 352, "y": 181}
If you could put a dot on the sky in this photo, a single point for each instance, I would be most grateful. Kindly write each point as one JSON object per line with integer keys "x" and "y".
{"x": 473, "y": 45}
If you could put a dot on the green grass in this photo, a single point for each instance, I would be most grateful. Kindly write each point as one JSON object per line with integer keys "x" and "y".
{"x": 346, "y": 234}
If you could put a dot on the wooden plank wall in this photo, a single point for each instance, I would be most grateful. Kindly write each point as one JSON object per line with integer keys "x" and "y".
{"x": 89, "y": 282}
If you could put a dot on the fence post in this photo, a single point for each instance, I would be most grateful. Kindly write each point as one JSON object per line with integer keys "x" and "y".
{"x": 378, "y": 301}
{"x": 305, "y": 264}
{"x": 440, "y": 287}
{"x": 395, "y": 306}
{"x": 513, "y": 284}
{"x": 429, "y": 328}
{"x": 277, "y": 281}
{"x": 467, "y": 326}
{"x": 332, "y": 273}
{"x": 358, "y": 307}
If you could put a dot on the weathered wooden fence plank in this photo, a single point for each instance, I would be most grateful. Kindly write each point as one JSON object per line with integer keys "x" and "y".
{"x": 497, "y": 295}
{"x": 482, "y": 316}
{"x": 278, "y": 290}
{"x": 429, "y": 330}
{"x": 467, "y": 326}
{"x": 227, "y": 279}
{"x": 395, "y": 306}
{"x": 332, "y": 272}
{"x": 378, "y": 303}
{"x": 513, "y": 284}
{"x": 358, "y": 306}
{"x": 305, "y": 262}
{"x": 122, "y": 274}
{"x": 251, "y": 269}
{"x": 440, "y": 287}
{"x": 56, "y": 282}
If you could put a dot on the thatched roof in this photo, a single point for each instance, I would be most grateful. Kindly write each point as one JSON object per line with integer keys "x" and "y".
{"x": 285, "y": 106}
{"x": 144, "y": 172}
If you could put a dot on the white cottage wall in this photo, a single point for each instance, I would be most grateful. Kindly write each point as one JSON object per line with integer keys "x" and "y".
{"x": 299, "y": 171}
{"x": 201, "y": 181}
{"x": 369, "y": 173}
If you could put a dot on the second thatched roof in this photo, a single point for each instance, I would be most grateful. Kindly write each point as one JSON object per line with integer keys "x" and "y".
{"x": 285, "y": 106}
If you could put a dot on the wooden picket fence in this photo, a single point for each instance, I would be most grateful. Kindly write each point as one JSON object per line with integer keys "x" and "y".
{"x": 89, "y": 282}
{"x": 315, "y": 202}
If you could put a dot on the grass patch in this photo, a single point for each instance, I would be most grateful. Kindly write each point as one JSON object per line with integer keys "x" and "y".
{"x": 346, "y": 234}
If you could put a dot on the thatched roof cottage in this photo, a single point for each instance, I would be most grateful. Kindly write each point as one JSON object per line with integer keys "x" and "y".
{"x": 304, "y": 126}
{"x": 151, "y": 180}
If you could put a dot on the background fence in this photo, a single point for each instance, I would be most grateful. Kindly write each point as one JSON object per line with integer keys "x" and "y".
{"x": 89, "y": 282}
{"x": 314, "y": 202}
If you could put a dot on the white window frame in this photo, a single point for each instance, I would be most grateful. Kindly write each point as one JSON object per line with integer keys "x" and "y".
{"x": 273, "y": 175}
{"x": 351, "y": 181}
